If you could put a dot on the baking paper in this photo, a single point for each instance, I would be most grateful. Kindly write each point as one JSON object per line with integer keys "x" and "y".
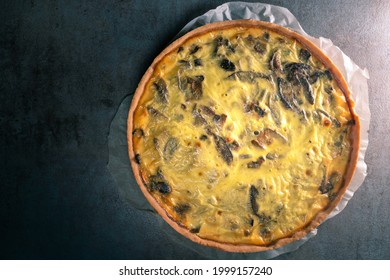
{"x": 356, "y": 78}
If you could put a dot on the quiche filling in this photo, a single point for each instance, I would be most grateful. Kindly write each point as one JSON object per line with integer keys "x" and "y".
{"x": 242, "y": 136}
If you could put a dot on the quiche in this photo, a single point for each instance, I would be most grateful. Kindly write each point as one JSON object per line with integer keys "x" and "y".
{"x": 243, "y": 136}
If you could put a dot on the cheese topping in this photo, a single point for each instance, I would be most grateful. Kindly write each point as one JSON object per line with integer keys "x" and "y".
{"x": 242, "y": 136}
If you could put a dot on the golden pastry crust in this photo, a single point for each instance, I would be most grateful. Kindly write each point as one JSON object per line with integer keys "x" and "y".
{"x": 173, "y": 213}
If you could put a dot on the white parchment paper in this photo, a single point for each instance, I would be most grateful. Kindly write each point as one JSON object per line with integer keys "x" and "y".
{"x": 119, "y": 164}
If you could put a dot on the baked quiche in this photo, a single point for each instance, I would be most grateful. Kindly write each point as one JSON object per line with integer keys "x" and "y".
{"x": 243, "y": 136}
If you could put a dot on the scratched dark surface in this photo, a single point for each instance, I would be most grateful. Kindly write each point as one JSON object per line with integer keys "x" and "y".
{"x": 66, "y": 66}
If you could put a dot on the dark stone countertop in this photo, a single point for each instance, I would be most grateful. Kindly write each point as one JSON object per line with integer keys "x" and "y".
{"x": 66, "y": 66}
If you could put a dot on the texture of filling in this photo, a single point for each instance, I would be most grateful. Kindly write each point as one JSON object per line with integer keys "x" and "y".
{"x": 242, "y": 136}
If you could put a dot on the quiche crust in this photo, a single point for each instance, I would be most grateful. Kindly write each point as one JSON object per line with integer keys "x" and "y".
{"x": 173, "y": 218}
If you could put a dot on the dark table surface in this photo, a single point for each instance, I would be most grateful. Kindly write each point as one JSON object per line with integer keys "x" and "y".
{"x": 65, "y": 68}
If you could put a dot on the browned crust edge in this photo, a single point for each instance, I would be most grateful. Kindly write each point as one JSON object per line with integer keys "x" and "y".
{"x": 355, "y": 135}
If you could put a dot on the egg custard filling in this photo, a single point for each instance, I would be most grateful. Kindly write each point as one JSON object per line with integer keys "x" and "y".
{"x": 242, "y": 135}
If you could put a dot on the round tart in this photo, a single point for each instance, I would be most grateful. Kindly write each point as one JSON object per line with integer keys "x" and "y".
{"x": 243, "y": 136}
